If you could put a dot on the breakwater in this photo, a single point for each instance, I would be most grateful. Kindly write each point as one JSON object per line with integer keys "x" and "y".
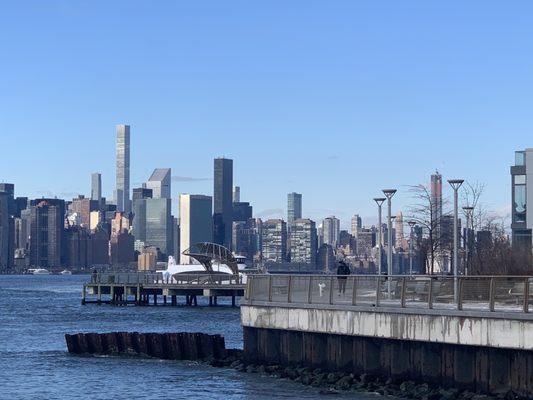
{"x": 168, "y": 346}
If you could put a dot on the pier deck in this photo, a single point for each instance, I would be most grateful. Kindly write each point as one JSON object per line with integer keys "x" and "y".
{"x": 145, "y": 288}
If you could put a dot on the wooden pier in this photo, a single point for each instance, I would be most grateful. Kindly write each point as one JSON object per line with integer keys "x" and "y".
{"x": 143, "y": 289}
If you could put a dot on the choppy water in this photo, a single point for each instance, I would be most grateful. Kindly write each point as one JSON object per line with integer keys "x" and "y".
{"x": 36, "y": 312}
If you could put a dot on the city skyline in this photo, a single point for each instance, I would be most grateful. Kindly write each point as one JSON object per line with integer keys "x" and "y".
{"x": 356, "y": 98}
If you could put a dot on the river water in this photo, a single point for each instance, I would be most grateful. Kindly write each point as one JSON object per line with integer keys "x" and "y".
{"x": 36, "y": 312}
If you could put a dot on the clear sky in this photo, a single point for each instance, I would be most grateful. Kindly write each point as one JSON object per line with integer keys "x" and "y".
{"x": 332, "y": 99}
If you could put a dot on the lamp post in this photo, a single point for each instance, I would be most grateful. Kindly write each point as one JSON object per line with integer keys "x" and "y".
{"x": 455, "y": 184}
{"x": 388, "y": 194}
{"x": 469, "y": 212}
{"x": 379, "y": 201}
{"x": 411, "y": 225}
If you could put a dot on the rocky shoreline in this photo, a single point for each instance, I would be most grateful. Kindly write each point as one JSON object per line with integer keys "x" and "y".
{"x": 334, "y": 382}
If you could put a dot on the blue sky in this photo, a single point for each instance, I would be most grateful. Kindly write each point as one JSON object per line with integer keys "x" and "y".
{"x": 332, "y": 99}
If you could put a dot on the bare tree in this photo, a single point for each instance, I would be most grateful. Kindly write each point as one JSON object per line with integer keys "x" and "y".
{"x": 422, "y": 211}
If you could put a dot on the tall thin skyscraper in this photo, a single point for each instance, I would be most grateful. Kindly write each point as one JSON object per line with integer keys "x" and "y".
{"x": 331, "y": 230}
{"x": 223, "y": 201}
{"x": 436, "y": 200}
{"x": 356, "y": 225}
{"x": 96, "y": 187}
{"x": 294, "y": 207}
{"x": 122, "y": 192}
{"x": 159, "y": 182}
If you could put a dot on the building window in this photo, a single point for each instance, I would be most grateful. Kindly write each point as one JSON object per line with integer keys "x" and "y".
{"x": 519, "y": 158}
{"x": 519, "y": 179}
{"x": 519, "y": 207}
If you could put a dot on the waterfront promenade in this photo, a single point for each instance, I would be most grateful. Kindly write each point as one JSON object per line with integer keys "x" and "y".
{"x": 476, "y": 332}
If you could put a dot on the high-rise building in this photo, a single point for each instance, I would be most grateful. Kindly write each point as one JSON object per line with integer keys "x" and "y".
{"x": 242, "y": 211}
{"x": 96, "y": 187}
{"x": 122, "y": 241}
{"x": 398, "y": 226}
{"x": 196, "y": 223}
{"x": 436, "y": 201}
{"x": 521, "y": 196}
{"x": 294, "y": 207}
{"x": 366, "y": 242}
{"x": 159, "y": 228}
{"x": 122, "y": 191}
{"x": 83, "y": 206}
{"x": 331, "y": 227}
{"x": 47, "y": 232}
{"x": 140, "y": 197}
{"x": 159, "y": 182}
{"x": 274, "y": 246}
{"x": 223, "y": 201}
{"x": 7, "y": 251}
{"x": 356, "y": 225}
{"x": 236, "y": 194}
{"x": 304, "y": 243}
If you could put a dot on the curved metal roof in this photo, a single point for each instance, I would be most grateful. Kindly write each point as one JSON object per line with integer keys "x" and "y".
{"x": 205, "y": 253}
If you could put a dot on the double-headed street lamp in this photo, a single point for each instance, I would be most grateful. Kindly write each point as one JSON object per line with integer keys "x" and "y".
{"x": 455, "y": 184}
{"x": 388, "y": 194}
{"x": 411, "y": 225}
{"x": 469, "y": 212}
{"x": 379, "y": 201}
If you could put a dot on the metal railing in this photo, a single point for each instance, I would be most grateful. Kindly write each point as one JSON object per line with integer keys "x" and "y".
{"x": 477, "y": 293}
{"x": 147, "y": 278}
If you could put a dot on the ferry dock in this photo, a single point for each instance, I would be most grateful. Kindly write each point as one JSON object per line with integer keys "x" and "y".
{"x": 143, "y": 289}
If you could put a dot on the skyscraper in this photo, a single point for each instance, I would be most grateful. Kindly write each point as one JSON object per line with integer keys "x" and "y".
{"x": 398, "y": 225}
{"x": 436, "y": 200}
{"x": 159, "y": 182}
{"x": 223, "y": 201}
{"x": 274, "y": 241}
{"x": 294, "y": 207}
{"x": 331, "y": 227}
{"x": 122, "y": 192}
{"x": 304, "y": 244}
{"x": 522, "y": 194}
{"x": 236, "y": 194}
{"x": 96, "y": 187}
{"x": 196, "y": 223}
{"x": 47, "y": 232}
{"x": 356, "y": 225}
{"x": 6, "y": 233}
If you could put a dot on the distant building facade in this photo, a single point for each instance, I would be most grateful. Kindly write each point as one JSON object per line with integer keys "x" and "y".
{"x": 294, "y": 207}
{"x": 196, "y": 223}
{"x": 521, "y": 196}
{"x": 47, "y": 232}
{"x": 304, "y": 242}
{"x": 223, "y": 201}
{"x": 122, "y": 191}
{"x": 274, "y": 241}
{"x": 331, "y": 230}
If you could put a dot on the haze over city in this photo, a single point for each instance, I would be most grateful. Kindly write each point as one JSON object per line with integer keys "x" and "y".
{"x": 335, "y": 101}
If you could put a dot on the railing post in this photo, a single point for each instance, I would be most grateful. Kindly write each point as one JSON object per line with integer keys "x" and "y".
{"x": 491, "y": 294}
{"x": 526, "y": 295}
{"x": 402, "y": 300}
{"x": 430, "y": 294}
{"x": 378, "y": 290}
{"x": 460, "y": 294}
{"x": 310, "y": 289}
{"x": 250, "y": 281}
{"x": 331, "y": 282}
{"x": 289, "y": 289}
{"x": 270, "y": 288}
{"x": 354, "y": 291}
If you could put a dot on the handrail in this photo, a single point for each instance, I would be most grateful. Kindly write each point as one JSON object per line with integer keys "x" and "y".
{"x": 149, "y": 278}
{"x": 490, "y": 293}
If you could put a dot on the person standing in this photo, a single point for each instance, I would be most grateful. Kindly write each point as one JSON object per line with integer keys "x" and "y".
{"x": 343, "y": 270}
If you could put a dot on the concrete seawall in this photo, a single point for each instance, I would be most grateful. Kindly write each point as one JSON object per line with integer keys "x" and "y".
{"x": 463, "y": 350}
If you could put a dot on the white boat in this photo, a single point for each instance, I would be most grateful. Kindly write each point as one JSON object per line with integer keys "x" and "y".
{"x": 66, "y": 272}
{"x": 38, "y": 271}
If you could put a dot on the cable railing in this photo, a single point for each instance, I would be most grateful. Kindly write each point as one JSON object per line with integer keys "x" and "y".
{"x": 475, "y": 293}
{"x": 148, "y": 278}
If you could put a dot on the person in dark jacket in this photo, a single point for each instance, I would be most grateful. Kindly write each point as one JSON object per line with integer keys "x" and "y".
{"x": 343, "y": 270}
